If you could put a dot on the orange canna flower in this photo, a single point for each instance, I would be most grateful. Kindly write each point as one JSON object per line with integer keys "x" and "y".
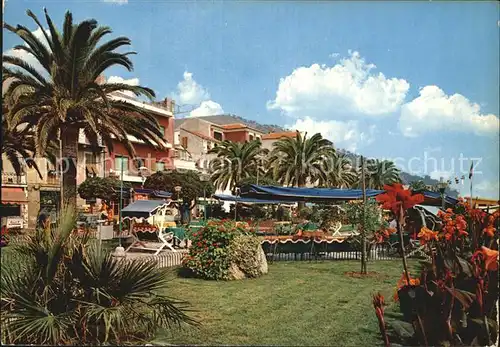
{"x": 489, "y": 230}
{"x": 403, "y": 283}
{"x": 490, "y": 257}
{"x": 426, "y": 235}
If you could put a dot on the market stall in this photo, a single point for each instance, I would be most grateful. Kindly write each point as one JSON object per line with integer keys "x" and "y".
{"x": 146, "y": 225}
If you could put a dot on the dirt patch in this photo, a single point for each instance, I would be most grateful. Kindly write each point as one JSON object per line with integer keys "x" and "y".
{"x": 369, "y": 274}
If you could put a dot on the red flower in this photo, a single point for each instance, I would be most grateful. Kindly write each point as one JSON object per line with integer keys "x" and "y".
{"x": 396, "y": 197}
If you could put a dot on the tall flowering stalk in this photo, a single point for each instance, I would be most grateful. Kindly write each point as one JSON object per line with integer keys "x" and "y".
{"x": 378, "y": 305}
{"x": 399, "y": 200}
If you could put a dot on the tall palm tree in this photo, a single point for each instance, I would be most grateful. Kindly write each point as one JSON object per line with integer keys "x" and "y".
{"x": 299, "y": 160}
{"x": 340, "y": 172}
{"x": 62, "y": 97}
{"x": 379, "y": 173}
{"x": 234, "y": 162}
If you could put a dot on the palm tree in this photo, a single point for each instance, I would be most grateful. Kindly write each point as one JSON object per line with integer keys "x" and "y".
{"x": 18, "y": 145}
{"x": 297, "y": 161}
{"x": 379, "y": 173}
{"x": 340, "y": 174}
{"x": 62, "y": 97}
{"x": 418, "y": 186}
{"x": 234, "y": 162}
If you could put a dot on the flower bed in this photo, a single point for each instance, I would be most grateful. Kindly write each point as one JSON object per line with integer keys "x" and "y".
{"x": 453, "y": 301}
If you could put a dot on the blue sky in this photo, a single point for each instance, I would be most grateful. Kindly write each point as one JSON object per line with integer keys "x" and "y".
{"x": 397, "y": 80}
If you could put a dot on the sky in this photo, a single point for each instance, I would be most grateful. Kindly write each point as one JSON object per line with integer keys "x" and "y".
{"x": 414, "y": 82}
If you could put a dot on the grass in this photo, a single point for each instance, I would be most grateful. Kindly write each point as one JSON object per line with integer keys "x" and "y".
{"x": 297, "y": 303}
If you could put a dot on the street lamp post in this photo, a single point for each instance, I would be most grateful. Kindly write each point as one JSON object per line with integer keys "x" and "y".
{"x": 442, "y": 185}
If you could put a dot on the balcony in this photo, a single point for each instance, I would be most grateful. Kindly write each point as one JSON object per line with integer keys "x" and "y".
{"x": 10, "y": 178}
{"x": 185, "y": 164}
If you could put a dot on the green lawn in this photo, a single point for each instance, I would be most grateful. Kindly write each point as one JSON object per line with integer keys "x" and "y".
{"x": 297, "y": 303}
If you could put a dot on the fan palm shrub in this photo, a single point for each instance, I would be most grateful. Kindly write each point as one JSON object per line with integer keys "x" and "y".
{"x": 66, "y": 292}
{"x": 59, "y": 96}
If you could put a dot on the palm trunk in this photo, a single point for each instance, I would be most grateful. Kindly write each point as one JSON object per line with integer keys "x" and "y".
{"x": 69, "y": 144}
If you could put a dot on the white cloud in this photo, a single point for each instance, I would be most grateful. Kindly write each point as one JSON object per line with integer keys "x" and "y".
{"x": 349, "y": 88}
{"x": 119, "y": 2}
{"x": 486, "y": 189}
{"x": 346, "y": 135}
{"x": 190, "y": 92}
{"x": 131, "y": 81}
{"x": 207, "y": 108}
{"x": 28, "y": 57}
{"x": 434, "y": 111}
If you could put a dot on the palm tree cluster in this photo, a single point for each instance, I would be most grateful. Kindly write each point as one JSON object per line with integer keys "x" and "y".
{"x": 296, "y": 161}
{"x": 62, "y": 290}
{"x": 59, "y": 97}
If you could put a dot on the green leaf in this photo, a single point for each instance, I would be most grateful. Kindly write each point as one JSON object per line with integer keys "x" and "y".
{"x": 403, "y": 329}
{"x": 465, "y": 266}
{"x": 466, "y": 298}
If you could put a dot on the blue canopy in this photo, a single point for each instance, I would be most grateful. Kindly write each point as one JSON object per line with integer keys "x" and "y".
{"x": 154, "y": 193}
{"x": 142, "y": 208}
{"x": 246, "y": 200}
{"x": 434, "y": 199}
{"x": 304, "y": 194}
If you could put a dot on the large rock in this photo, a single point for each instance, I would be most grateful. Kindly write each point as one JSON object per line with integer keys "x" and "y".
{"x": 250, "y": 263}
{"x": 262, "y": 261}
{"x": 235, "y": 272}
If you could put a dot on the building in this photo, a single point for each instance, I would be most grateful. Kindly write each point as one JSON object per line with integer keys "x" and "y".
{"x": 269, "y": 139}
{"x": 14, "y": 201}
{"x": 195, "y": 136}
{"x": 148, "y": 160}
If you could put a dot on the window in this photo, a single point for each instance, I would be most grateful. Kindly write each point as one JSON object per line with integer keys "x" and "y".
{"x": 184, "y": 142}
{"x": 160, "y": 166}
{"x": 250, "y": 137}
{"x": 217, "y": 135}
{"x": 162, "y": 129}
{"x": 119, "y": 161}
{"x": 138, "y": 163}
{"x": 90, "y": 158}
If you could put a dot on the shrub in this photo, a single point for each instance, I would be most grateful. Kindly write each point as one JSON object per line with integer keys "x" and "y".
{"x": 209, "y": 255}
{"x": 64, "y": 291}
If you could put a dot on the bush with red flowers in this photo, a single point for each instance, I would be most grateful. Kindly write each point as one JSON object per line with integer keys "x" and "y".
{"x": 210, "y": 256}
{"x": 454, "y": 300}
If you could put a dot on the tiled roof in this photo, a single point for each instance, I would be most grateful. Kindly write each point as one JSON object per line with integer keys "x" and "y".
{"x": 234, "y": 126}
{"x": 275, "y": 136}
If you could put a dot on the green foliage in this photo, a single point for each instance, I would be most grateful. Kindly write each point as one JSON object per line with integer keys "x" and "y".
{"x": 379, "y": 173}
{"x": 244, "y": 252}
{"x": 107, "y": 188}
{"x": 192, "y": 186}
{"x": 235, "y": 161}
{"x": 294, "y": 161}
{"x": 418, "y": 186}
{"x": 64, "y": 291}
{"x": 263, "y": 181}
{"x": 209, "y": 255}
{"x": 64, "y": 94}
